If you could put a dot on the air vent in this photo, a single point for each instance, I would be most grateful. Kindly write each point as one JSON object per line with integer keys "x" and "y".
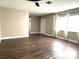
{"x": 48, "y": 2}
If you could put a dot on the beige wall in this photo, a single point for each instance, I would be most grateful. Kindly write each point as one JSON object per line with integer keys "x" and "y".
{"x": 14, "y": 23}
{"x": 35, "y": 24}
{"x": 0, "y": 24}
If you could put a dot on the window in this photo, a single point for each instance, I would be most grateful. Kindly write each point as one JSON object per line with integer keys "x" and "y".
{"x": 61, "y": 22}
{"x": 70, "y": 23}
{"x": 73, "y": 23}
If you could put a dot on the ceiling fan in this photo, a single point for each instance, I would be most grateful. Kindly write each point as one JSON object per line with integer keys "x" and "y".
{"x": 37, "y": 4}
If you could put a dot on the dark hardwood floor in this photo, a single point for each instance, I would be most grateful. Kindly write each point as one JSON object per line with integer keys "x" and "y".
{"x": 38, "y": 47}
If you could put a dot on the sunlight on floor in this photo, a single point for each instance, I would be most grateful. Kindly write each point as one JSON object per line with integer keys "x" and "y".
{"x": 61, "y": 51}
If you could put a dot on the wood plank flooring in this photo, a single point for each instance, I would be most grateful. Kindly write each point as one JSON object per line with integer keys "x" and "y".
{"x": 38, "y": 47}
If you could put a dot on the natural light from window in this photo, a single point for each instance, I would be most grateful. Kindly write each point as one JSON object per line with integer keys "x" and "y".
{"x": 67, "y": 24}
{"x": 73, "y": 23}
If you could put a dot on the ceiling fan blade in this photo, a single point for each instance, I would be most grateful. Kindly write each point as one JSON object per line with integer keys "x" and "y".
{"x": 37, "y": 4}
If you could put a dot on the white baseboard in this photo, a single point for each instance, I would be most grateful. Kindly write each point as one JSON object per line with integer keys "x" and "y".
{"x": 75, "y": 41}
{"x": 53, "y": 36}
{"x": 48, "y": 34}
{"x": 12, "y": 37}
{"x": 60, "y": 37}
{"x": 3, "y": 38}
{"x": 34, "y": 32}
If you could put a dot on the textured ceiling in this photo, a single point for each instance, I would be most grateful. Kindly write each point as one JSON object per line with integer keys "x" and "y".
{"x": 56, "y": 6}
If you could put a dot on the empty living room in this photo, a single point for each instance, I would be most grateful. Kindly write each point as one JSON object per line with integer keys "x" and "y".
{"x": 39, "y": 29}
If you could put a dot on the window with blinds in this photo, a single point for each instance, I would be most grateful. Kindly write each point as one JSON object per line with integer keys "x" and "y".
{"x": 73, "y": 22}
{"x": 68, "y": 22}
{"x": 67, "y": 25}
{"x": 61, "y": 22}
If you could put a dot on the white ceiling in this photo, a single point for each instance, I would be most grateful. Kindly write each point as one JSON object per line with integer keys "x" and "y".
{"x": 56, "y": 6}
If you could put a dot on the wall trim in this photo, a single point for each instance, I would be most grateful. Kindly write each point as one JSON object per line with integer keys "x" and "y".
{"x": 48, "y": 35}
{"x": 52, "y": 36}
{"x": 73, "y": 41}
{"x": 34, "y": 32}
{"x": 61, "y": 38}
{"x": 3, "y": 38}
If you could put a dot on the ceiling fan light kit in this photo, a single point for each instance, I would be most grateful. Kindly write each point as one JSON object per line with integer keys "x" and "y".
{"x": 37, "y": 4}
{"x": 48, "y": 2}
